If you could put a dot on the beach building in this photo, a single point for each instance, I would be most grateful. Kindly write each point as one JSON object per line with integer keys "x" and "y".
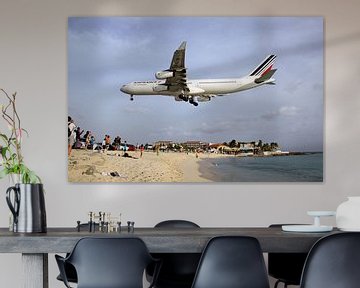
{"x": 277, "y": 152}
{"x": 247, "y": 148}
{"x": 214, "y": 147}
{"x": 195, "y": 145}
{"x": 163, "y": 144}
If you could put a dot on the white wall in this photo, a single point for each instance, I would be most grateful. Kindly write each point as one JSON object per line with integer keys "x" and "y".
{"x": 33, "y": 62}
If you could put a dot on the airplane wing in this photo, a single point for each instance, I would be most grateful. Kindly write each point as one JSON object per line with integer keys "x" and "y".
{"x": 177, "y": 83}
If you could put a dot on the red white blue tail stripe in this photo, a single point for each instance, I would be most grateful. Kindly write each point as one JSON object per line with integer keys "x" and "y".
{"x": 264, "y": 67}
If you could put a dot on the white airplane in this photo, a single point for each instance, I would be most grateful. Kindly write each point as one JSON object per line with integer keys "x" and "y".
{"x": 173, "y": 82}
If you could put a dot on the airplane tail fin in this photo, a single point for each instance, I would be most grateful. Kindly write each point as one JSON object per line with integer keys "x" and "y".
{"x": 264, "y": 67}
{"x": 266, "y": 77}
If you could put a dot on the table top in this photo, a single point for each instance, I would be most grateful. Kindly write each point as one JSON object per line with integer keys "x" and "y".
{"x": 158, "y": 240}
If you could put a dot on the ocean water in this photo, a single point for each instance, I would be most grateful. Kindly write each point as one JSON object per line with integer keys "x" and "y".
{"x": 293, "y": 168}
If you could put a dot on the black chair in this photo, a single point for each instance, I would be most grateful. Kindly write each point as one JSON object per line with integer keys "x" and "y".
{"x": 286, "y": 267}
{"x": 178, "y": 269}
{"x": 333, "y": 262}
{"x": 108, "y": 262}
{"x": 232, "y": 262}
{"x": 176, "y": 224}
{"x": 69, "y": 269}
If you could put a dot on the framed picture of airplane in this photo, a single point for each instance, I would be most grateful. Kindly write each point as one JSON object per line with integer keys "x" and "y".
{"x": 195, "y": 99}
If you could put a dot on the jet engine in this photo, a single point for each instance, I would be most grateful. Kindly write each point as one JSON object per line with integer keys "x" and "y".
{"x": 160, "y": 88}
{"x": 164, "y": 74}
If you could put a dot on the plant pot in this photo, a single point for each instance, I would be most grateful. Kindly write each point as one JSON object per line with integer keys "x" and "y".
{"x": 348, "y": 215}
{"x": 15, "y": 179}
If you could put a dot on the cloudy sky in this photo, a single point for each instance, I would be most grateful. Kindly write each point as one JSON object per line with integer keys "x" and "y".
{"x": 106, "y": 52}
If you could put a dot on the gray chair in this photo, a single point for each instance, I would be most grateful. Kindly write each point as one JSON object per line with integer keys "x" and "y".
{"x": 286, "y": 267}
{"x": 178, "y": 269}
{"x": 232, "y": 262}
{"x": 108, "y": 263}
{"x": 333, "y": 262}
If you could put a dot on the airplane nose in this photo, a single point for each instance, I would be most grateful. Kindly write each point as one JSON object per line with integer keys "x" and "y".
{"x": 123, "y": 89}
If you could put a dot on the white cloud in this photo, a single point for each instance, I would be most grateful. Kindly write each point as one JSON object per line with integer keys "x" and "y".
{"x": 288, "y": 111}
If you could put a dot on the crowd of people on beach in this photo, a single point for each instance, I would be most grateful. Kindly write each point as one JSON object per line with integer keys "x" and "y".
{"x": 76, "y": 140}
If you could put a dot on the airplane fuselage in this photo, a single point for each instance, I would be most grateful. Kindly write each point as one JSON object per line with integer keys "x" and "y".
{"x": 196, "y": 87}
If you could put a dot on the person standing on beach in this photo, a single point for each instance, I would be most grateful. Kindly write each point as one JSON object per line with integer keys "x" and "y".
{"x": 141, "y": 150}
{"x": 117, "y": 142}
{"x": 107, "y": 141}
{"x": 71, "y": 134}
{"x": 78, "y": 132}
{"x": 125, "y": 147}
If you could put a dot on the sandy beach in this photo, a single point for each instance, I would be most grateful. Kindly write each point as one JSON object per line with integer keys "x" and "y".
{"x": 111, "y": 166}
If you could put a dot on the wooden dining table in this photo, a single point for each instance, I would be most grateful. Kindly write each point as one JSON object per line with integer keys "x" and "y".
{"x": 35, "y": 247}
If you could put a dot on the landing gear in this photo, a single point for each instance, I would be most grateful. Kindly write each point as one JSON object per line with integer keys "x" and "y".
{"x": 184, "y": 98}
{"x": 191, "y": 101}
{"x": 194, "y": 103}
{"x": 131, "y": 97}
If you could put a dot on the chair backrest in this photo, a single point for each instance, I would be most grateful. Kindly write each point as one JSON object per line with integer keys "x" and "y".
{"x": 178, "y": 269}
{"x": 287, "y": 267}
{"x": 232, "y": 262}
{"x": 176, "y": 224}
{"x": 333, "y": 262}
{"x": 110, "y": 262}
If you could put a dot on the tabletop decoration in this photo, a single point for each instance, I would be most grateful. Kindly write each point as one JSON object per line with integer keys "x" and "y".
{"x": 25, "y": 197}
{"x": 348, "y": 214}
{"x": 315, "y": 227}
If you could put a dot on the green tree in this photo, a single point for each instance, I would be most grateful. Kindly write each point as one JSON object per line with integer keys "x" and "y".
{"x": 274, "y": 145}
{"x": 232, "y": 143}
{"x": 266, "y": 147}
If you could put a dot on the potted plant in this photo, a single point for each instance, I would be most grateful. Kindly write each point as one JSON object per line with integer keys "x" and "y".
{"x": 26, "y": 197}
{"x": 12, "y": 161}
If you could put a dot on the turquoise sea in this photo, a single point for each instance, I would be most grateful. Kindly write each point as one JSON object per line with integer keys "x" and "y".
{"x": 294, "y": 168}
